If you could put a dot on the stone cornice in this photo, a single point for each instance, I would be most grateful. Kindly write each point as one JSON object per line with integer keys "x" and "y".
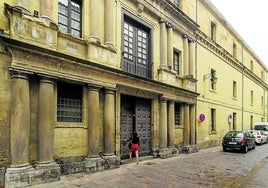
{"x": 207, "y": 42}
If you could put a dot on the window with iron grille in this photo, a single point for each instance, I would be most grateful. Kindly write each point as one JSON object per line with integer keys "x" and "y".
{"x": 213, "y": 121}
{"x": 176, "y": 62}
{"x": 177, "y": 111}
{"x": 69, "y": 103}
{"x": 70, "y": 12}
{"x": 136, "y": 48}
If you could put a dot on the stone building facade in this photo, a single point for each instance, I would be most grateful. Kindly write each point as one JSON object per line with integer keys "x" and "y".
{"x": 79, "y": 77}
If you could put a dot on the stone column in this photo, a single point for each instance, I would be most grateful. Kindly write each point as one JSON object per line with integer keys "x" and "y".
{"x": 163, "y": 124}
{"x": 191, "y": 57}
{"x": 93, "y": 120}
{"x": 20, "y": 120}
{"x": 186, "y": 124}
{"x": 47, "y": 9}
{"x": 171, "y": 124}
{"x": 46, "y": 120}
{"x": 109, "y": 122}
{"x": 109, "y": 22}
{"x": 170, "y": 46}
{"x": 163, "y": 43}
{"x": 185, "y": 55}
{"x": 94, "y": 17}
{"x": 192, "y": 124}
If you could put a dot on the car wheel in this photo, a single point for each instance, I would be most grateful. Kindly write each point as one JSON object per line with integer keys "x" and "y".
{"x": 224, "y": 149}
{"x": 253, "y": 147}
{"x": 246, "y": 149}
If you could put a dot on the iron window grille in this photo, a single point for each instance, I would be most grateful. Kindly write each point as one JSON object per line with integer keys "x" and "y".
{"x": 69, "y": 103}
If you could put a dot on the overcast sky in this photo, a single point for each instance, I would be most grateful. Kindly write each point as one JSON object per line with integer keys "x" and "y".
{"x": 249, "y": 19}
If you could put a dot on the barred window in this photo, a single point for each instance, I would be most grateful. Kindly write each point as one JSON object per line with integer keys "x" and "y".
{"x": 176, "y": 61}
{"x": 70, "y": 12}
{"x": 69, "y": 106}
{"x": 177, "y": 111}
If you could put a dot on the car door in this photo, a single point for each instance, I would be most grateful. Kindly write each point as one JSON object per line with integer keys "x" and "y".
{"x": 250, "y": 139}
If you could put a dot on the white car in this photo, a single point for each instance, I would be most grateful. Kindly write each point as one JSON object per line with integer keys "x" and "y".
{"x": 260, "y": 136}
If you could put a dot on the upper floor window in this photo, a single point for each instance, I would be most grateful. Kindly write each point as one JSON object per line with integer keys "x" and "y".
{"x": 177, "y": 3}
{"x": 213, "y": 79}
{"x": 176, "y": 62}
{"x": 251, "y": 65}
{"x": 70, "y": 12}
{"x": 136, "y": 48}
{"x": 234, "y": 50}
{"x": 234, "y": 89}
{"x": 69, "y": 103}
{"x": 251, "y": 97}
{"x": 213, "y": 31}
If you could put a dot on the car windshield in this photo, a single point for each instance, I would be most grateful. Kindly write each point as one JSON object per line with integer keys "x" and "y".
{"x": 261, "y": 127}
{"x": 234, "y": 134}
{"x": 254, "y": 133}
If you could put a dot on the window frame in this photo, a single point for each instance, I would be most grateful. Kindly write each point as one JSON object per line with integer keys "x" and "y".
{"x": 69, "y": 103}
{"x": 132, "y": 65}
{"x": 70, "y": 10}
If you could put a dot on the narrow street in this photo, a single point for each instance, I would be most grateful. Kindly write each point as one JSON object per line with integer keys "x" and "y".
{"x": 206, "y": 168}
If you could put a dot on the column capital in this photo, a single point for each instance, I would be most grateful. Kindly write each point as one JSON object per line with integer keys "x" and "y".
{"x": 191, "y": 40}
{"x": 19, "y": 74}
{"x": 163, "y": 100}
{"x": 109, "y": 90}
{"x": 171, "y": 102}
{"x": 93, "y": 87}
{"x": 184, "y": 36}
{"x": 161, "y": 20}
{"x": 47, "y": 79}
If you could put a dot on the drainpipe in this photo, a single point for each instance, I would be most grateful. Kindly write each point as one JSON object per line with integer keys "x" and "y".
{"x": 196, "y": 3}
{"x": 243, "y": 68}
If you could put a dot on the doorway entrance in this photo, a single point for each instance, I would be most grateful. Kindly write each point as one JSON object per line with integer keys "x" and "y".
{"x": 135, "y": 117}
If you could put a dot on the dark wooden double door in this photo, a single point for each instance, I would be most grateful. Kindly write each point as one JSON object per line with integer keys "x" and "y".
{"x": 135, "y": 117}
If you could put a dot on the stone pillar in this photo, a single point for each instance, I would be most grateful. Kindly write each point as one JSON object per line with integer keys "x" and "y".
{"x": 109, "y": 22}
{"x": 163, "y": 124}
{"x": 185, "y": 55}
{"x": 192, "y": 124}
{"x": 109, "y": 122}
{"x": 20, "y": 120}
{"x": 93, "y": 120}
{"x": 163, "y": 43}
{"x": 46, "y": 120}
{"x": 171, "y": 124}
{"x": 186, "y": 124}
{"x": 94, "y": 17}
{"x": 191, "y": 57}
{"x": 47, "y": 9}
{"x": 170, "y": 46}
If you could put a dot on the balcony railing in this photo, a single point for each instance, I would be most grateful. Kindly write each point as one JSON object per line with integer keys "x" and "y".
{"x": 136, "y": 65}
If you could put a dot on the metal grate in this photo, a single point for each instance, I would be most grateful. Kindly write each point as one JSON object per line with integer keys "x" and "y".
{"x": 69, "y": 110}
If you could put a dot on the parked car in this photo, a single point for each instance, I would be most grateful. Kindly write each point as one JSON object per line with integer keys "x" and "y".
{"x": 238, "y": 140}
{"x": 260, "y": 136}
{"x": 261, "y": 126}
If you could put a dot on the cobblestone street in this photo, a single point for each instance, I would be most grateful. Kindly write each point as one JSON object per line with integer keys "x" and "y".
{"x": 206, "y": 168}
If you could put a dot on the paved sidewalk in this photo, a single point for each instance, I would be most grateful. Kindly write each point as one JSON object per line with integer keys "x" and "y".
{"x": 206, "y": 168}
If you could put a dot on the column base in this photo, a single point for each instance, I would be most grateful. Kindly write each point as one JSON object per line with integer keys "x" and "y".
{"x": 110, "y": 162}
{"x": 165, "y": 153}
{"x": 189, "y": 149}
{"x": 95, "y": 40}
{"x": 28, "y": 176}
{"x": 92, "y": 164}
{"x": 174, "y": 150}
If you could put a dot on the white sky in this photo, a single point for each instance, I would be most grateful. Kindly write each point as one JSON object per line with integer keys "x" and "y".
{"x": 249, "y": 20}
